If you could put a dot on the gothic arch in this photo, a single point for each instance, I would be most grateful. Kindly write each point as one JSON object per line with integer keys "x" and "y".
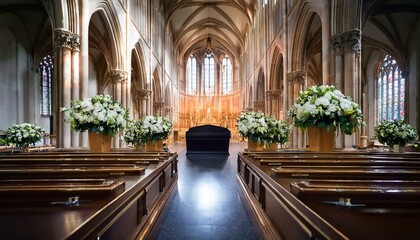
{"x": 276, "y": 75}
{"x": 250, "y": 99}
{"x": 157, "y": 90}
{"x": 307, "y": 42}
{"x": 113, "y": 34}
{"x": 138, "y": 89}
{"x": 104, "y": 42}
{"x": 260, "y": 86}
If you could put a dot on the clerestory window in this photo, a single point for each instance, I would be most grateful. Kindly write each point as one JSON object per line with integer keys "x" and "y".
{"x": 226, "y": 76}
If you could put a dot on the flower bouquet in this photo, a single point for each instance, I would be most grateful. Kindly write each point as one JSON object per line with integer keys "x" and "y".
{"x": 132, "y": 134}
{"x": 326, "y": 107}
{"x": 100, "y": 114}
{"x": 22, "y": 135}
{"x": 253, "y": 126}
{"x": 395, "y": 132}
{"x": 153, "y": 128}
{"x": 278, "y": 132}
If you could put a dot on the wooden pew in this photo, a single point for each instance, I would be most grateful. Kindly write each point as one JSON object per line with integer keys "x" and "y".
{"x": 77, "y": 195}
{"x": 381, "y": 192}
{"x": 359, "y": 191}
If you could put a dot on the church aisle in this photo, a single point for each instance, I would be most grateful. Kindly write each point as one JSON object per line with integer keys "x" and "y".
{"x": 206, "y": 203}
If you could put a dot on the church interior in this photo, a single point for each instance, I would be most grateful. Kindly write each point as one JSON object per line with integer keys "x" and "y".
{"x": 201, "y": 63}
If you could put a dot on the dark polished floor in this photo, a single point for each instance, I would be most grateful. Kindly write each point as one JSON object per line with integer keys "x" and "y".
{"x": 206, "y": 203}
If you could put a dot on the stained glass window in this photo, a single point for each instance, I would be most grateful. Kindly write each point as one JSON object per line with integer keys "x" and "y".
{"x": 192, "y": 75}
{"x": 226, "y": 76}
{"x": 391, "y": 89}
{"x": 46, "y": 69}
{"x": 209, "y": 74}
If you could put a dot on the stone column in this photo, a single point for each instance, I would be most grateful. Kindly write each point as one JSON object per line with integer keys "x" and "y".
{"x": 326, "y": 47}
{"x": 158, "y": 108}
{"x": 274, "y": 96}
{"x": 63, "y": 47}
{"x": 75, "y": 84}
{"x": 296, "y": 81}
{"x": 118, "y": 79}
{"x": 337, "y": 44}
{"x": 142, "y": 96}
{"x": 347, "y": 74}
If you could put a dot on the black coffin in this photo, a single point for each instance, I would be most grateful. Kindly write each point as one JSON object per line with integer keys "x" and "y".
{"x": 208, "y": 139}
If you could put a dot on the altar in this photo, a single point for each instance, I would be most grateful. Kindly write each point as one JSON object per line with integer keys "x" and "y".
{"x": 208, "y": 139}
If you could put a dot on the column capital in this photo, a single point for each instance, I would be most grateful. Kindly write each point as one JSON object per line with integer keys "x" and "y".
{"x": 75, "y": 42}
{"x": 117, "y": 75}
{"x": 259, "y": 105}
{"x": 347, "y": 41}
{"x": 296, "y": 77}
{"x": 168, "y": 110}
{"x": 143, "y": 94}
{"x": 158, "y": 105}
{"x": 273, "y": 94}
{"x": 63, "y": 38}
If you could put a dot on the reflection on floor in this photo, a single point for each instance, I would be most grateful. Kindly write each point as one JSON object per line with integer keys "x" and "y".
{"x": 206, "y": 204}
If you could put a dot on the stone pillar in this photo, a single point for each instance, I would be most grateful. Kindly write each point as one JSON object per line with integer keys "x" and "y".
{"x": 296, "y": 81}
{"x": 158, "y": 108}
{"x": 337, "y": 44}
{"x": 63, "y": 47}
{"x": 118, "y": 79}
{"x": 142, "y": 96}
{"x": 274, "y": 102}
{"x": 84, "y": 17}
{"x": 347, "y": 62}
{"x": 326, "y": 47}
{"x": 75, "y": 84}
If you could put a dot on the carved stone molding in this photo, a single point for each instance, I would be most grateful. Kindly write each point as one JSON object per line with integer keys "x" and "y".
{"x": 143, "y": 94}
{"x": 168, "y": 110}
{"x": 296, "y": 77}
{"x": 347, "y": 41}
{"x": 118, "y": 76}
{"x": 158, "y": 105}
{"x": 273, "y": 94}
{"x": 63, "y": 38}
{"x": 75, "y": 42}
{"x": 259, "y": 105}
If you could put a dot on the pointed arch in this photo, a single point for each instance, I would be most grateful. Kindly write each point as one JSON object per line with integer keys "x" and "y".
{"x": 138, "y": 78}
{"x": 157, "y": 90}
{"x": 260, "y": 87}
{"x": 307, "y": 42}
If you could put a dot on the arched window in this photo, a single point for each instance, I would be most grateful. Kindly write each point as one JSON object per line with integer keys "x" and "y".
{"x": 192, "y": 75}
{"x": 46, "y": 70}
{"x": 226, "y": 76}
{"x": 209, "y": 74}
{"x": 391, "y": 89}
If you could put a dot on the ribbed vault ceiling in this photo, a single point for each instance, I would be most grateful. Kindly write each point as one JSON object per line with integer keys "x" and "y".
{"x": 195, "y": 22}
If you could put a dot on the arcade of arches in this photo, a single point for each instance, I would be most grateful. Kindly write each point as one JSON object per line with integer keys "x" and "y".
{"x": 199, "y": 62}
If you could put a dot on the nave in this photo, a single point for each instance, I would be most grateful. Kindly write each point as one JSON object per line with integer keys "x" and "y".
{"x": 206, "y": 203}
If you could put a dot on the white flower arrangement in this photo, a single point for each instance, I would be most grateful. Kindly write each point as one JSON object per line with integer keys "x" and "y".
{"x": 153, "y": 128}
{"x": 132, "y": 134}
{"x": 253, "y": 125}
{"x": 395, "y": 132}
{"x": 325, "y": 106}
{"x": 99, "y": 114}
{"x": 278, "y": 132}
{"x": 22, "y": 135}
